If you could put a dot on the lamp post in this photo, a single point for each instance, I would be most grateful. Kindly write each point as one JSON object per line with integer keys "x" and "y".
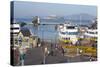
{"x": 45, "y": 51}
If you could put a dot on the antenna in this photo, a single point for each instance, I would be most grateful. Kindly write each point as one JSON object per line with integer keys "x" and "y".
{"x": 80, "y": 19}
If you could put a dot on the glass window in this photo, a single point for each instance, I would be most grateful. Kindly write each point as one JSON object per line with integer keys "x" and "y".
{"x": 71, "y": 27}
{"x": 16, "y": 41}
{"x": 26, "y": 40}
{"x": 20, "y": 40}
{"x": 63, "y": 33}
{"x": 72, "y": 33}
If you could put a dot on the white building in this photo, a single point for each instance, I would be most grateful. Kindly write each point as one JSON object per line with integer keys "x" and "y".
{"x": 15, "y": 28}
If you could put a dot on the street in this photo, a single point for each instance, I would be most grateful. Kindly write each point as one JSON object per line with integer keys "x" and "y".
{"x": 35, "y": 56}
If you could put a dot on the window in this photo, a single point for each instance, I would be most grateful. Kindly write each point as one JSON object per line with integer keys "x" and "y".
{"x": 63, "y": 33}
{"x": 72, "y": 33}
{"x": 92, "y": 32}
{"x": 16, "y": 41}
{"x": 20, "y": 40}
{"x": 69, "y": 33}
{"x": 26, "y": 40}
{"x": 70, "y": 27}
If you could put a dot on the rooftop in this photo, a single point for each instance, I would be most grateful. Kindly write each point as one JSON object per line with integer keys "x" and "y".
{"x": 26, "y": 32}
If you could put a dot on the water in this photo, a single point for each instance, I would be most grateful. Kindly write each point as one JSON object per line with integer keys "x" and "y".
{"x": 47, "y": 32}
{"x": 44, "y": 32}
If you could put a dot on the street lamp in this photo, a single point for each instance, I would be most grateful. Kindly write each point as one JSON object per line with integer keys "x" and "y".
{"x": 45, "y": 51}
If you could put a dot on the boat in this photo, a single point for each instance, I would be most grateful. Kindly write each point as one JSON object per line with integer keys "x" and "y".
{"x": 91, "y": 32}
{"x": 68, "y": 33}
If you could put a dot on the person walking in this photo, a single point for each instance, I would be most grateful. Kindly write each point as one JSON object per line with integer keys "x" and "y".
{"x": 62, "y": 50}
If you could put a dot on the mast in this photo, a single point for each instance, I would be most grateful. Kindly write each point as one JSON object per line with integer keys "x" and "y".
{"x": 80, "y": 19}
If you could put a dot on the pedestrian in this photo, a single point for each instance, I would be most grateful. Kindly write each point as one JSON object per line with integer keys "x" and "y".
{"x": 51, "y": 45}
{"x": 51, "y": 53}
{"x": 56, "y": 46}
{"x": 62, "y": 50}
{"x": 22, "y": 51}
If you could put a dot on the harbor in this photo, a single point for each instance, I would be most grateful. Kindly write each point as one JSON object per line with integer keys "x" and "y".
{"x": 64, "y": 40}
{"x": 49, "y": 33}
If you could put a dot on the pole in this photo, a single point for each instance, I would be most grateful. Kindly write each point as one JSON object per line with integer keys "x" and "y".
{"x": 45, "y": 50}
{"x": 77, "y": 51}
{"x": 44, "y": 58}
{"x": 80, "y": 19}
{"x": 43, "y": 46}
{"x": 22, "y": 62}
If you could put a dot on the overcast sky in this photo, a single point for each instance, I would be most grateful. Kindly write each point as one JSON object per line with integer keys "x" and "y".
{"x": 28, "y": 9}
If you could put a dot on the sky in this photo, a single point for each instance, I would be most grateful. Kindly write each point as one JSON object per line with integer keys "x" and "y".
{"x": 28, "y": 9}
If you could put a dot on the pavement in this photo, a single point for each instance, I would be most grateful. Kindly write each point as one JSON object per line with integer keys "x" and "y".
{"x": 35, "y": 56}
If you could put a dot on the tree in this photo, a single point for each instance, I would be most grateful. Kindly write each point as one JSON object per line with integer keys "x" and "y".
{"x": 22, "y": 24}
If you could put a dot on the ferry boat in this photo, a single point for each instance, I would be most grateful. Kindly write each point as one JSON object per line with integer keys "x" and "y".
{"x": 91, "y": 32}
{"x": 68, "y": 33}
